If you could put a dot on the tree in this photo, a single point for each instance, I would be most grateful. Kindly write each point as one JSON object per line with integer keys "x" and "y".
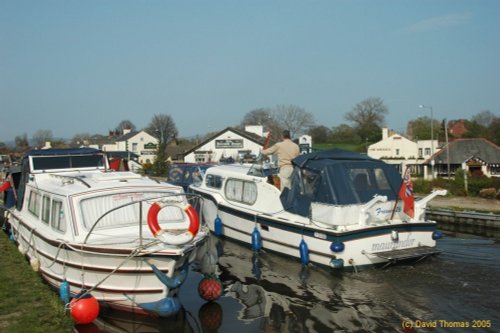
{"x": 420, "y": 128}
{"x": 344, "y": 134}
{"x": 260, "y": 116}
{"x": 81, "y": 139}
{"x": 368, "y": 118}
{"x": 320, "y": 134}
{"x": 125, "y": 124}
{"x": 160, "y": 165}
{"x": 21, "y": 142}
{"x": 484, "y": 118}
{"x": 163, "y": 127}
{"x": 494, "y": 129}
{"x": 41, "y": 137}
{"x": 293, "y": 118}
{"x": 475, "y": 130}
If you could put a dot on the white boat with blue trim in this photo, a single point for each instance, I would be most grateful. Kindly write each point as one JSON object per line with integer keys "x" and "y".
{"x": 125, "y": 238}
{"x": 342, "y": 210}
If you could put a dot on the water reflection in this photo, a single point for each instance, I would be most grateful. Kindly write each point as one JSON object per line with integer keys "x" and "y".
{"x": 264, "y": 292}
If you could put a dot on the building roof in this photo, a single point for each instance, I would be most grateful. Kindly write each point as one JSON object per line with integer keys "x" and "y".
{"x": 247, "y": 135}
{"x": 462, "y": 150}
{"x": 129, "y": 135}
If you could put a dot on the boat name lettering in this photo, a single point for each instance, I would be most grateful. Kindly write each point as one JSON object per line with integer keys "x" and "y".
{"x": 379, "y": 210}
{"x": 392, "y": 245}
{"x": 319, "y": 235}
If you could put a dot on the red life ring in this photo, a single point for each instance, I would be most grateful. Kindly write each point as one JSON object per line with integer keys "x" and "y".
{"x": 173, "y": 238}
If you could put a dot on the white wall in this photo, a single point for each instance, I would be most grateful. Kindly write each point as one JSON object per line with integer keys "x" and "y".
{"x": 395, "y": 146}
{"x": 137, "y": 144}
{"x": 227, "y": 144}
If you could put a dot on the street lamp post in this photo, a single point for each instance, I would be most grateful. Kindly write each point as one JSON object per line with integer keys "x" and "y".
{"x": 432, "y": 137}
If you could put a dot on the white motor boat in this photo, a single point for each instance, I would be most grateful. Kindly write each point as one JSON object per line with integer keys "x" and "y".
{"x": 342, "y": 211}
{"x": 126, "y": 239}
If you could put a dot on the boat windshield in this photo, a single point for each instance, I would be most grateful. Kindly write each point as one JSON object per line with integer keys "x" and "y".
{"x": 262, "y": 170}
{"x": 134, "y": 206}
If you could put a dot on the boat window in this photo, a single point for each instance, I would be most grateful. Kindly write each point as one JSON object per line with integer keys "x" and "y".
{"x": 34, "y": 203}
{"x": 65, "y": 162}
{"x": 46, "y": 209}
{"x": 368, "y": 182}
{"x": 213, "y": 181}
{"x": 58, "y": 218}
{"x": 241, "y": 191}
{"x": 310, "y": 181}
{"x": 381, "y": 179}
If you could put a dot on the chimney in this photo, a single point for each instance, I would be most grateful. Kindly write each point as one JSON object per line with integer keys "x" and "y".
{"x": 256, "y": 129}
{"x": 385, "y": 133}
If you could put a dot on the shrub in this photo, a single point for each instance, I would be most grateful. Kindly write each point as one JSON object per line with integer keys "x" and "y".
{"x": 488, "y": 193}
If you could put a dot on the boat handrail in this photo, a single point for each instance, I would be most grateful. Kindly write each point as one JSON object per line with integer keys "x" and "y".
{"x": 72, "y": 178}
{"x": 421, "y": 204}
{"x": 364, "y": 215}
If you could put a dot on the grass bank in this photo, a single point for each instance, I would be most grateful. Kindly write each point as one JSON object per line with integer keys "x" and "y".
{"x": 27, "y": 303}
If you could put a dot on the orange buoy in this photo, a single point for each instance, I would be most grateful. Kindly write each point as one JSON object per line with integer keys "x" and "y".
{"x": 210, "y": 288}
{"x": 84, "y": 309}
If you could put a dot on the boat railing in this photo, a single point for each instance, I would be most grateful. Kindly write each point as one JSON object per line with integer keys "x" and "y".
{"x": 421, "y": 205}
{"x": 174, "y": 197}
{"x": 364, "y": 215}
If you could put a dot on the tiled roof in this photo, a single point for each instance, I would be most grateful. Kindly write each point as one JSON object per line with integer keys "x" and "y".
{"x": 462, "y": 150}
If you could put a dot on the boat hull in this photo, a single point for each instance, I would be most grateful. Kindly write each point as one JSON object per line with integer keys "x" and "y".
{"x": 123, "y": 278}
{"x": 363, "y": 246}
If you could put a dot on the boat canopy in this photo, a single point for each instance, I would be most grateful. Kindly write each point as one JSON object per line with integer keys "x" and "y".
{"x": 338, "y": 177}
{"x": 50, "y": 159}
{"x": 55, "y": 159}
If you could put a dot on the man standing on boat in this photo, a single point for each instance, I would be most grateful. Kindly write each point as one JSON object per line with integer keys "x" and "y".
{"x": 286, "y": 151}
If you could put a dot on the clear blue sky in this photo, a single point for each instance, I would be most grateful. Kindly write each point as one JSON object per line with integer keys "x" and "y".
{"x": 83, "y": 66}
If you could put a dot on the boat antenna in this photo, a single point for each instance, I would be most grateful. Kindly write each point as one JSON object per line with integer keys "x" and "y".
{"x": 397, "y": 196}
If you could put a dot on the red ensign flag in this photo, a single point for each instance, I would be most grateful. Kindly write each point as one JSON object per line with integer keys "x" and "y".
{"x": 5, "y": 186}
{"x": 406, "y": 194}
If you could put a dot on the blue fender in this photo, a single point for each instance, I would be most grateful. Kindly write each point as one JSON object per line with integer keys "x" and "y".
{"x": 166, "y": 307}
{"x": 172, "y": 282}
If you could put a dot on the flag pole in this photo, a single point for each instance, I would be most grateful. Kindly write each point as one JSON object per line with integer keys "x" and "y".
{"x": 397, "y": 196}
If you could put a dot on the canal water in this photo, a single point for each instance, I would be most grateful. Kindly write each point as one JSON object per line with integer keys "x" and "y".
{"x": 456, "y": 291}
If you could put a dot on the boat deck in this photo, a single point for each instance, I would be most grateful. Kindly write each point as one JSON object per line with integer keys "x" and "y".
{"x": 397, "y": 255}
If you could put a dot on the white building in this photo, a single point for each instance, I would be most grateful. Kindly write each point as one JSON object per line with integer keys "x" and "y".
{"x": 396, "y": 149}
{"x": 229, "y": 144}
{"x": 140, "y": 143}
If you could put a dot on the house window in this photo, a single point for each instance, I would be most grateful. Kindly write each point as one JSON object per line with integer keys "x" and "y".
{"x": 397, "y": 152}
{"x": 427, "y": 151}
{"x": 134, "y": 147}
{"x": 202, "y": 157}
{"x": 420, "y": 152}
